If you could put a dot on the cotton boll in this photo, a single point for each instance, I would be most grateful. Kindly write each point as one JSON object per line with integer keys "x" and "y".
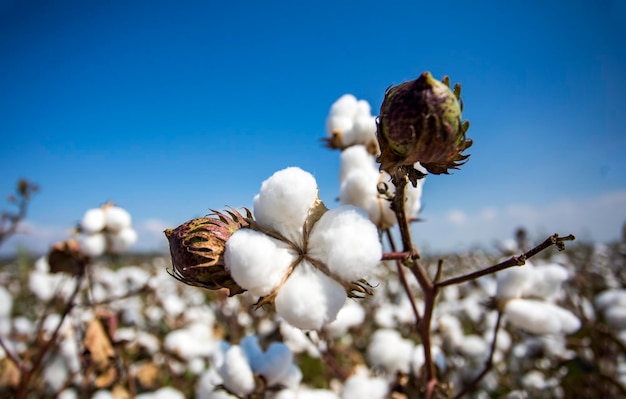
{"x": 362, "y": 386}
{"x": 389, "y": 351}
{"x": 196, "y": 340}
{"x": 347, "y": 242}
{"x": 284, "y": 200}
{"x": 291, "y": 379}
{"x": 346, "y": 105}
{"x": 616, "y": 317}
{"x": 309, "y": 298}
{"x": 541, "y": 317}
{"x": 360, "y": 189}
{"x": 56, "y": 374}
{"x": 364, "y": 129}
{"x": 93, "y": 221}
{"x": 121, "y": 241}
{"x": 92, "y": 244}
{"x": 341, "y": 126}
{"x": 275, "y": 363}
{"x": 350, "y": 315}
{"x": 356, "y": 157}
{"x": 547, "y": 281}
{"x": 256, "y": 262}
{"x": 117, "y": 219}
{"x": 236, "y": 372}
{"x": 298, "y": 341}
{"x": 514, "y": 281}
{"x": 609, "y": 298}
{"x": 474, "y": 347}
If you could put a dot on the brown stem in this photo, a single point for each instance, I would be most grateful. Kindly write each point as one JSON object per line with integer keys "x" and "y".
{"x": 554, "y": 239}
{"x": 396, "y": 255}
{"x": 9, "y": 353}
{"x": 29, "y": 372}
{"x": 403, "y": 280}
{"x": 488, "y": 363}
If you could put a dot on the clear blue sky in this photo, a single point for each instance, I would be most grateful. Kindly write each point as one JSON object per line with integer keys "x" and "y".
{"x": 171, "y": 108}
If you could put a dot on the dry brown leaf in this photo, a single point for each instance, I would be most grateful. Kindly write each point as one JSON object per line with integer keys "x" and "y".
{"x": 9, "y": 373}
{"x": 99, "y": 354}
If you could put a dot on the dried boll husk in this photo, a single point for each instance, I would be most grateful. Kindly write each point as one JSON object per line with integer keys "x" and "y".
{"x": 197, "y": 249}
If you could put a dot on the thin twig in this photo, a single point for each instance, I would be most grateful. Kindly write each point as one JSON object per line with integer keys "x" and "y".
{"x": 488, "y": 363}
{"x": 403, "y": 280}
{"x": 554, "y": 239}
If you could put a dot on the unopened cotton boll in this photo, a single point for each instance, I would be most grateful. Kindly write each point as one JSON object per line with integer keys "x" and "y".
{"x": 309, "y": 299}
{"x": 347, "y": 242}
{"x": 236, "y": 372}
{"x": 121, "y": 241}
{"x": 117, "y": 218}
{"x": 541, "y": 317}
{"x": 256, "y": 262}
{"x": 283, "y": 202}
{"x": 93, "y": 221}
{"x": 92, "y": 244}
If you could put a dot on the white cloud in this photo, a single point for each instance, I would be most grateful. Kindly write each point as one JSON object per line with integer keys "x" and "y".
{"x": 599, "y": 218}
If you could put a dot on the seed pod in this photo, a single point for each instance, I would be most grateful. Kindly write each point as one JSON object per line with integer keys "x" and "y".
{"x": 420, "y": 121}
{"x": 197, "y": 250}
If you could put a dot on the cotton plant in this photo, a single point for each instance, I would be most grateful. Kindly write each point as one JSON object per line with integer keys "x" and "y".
{"x": 107, "y": 229}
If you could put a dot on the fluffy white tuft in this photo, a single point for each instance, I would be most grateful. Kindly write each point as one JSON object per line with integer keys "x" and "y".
{"x": 389, "y": 351}
{"x": 117, "y": 218}
{"x": 541, "y": 317}
{"x": 309, "y": 299}
{"x": 347, "y": 242}
{"x": 236, "y": 372}
{"x": 93, "y": 221}
{"x": 121, "y": 241}
{"x": 514, "y": 281}
{"x": 256, "y": 262}
{"x": 284, "y": 200}
{"x": 362, "y": 386}
{"x": 351, "y": 314}
{"x": 92, "y": 244}
{"x": 346, "y": 105}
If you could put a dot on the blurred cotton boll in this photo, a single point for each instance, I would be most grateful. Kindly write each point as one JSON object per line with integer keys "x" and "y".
{"x": 362, "y": 386}
{"x": 92, "y": 245}
{"x": 236, "y": 372}
{"x": 284, "y": 200}
{"x": 309, "y": 298}
{"x": 350, "y": 315}
{"x": 541, "y": 317}
{"x": 121, "y": 241}
{"x": 389, "y": 351}
{"x": 93, "y": 221}
{"x": 350, "y": 122}
{"x": 117, "y": 218}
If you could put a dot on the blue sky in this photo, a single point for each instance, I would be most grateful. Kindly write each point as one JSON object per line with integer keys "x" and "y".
{"x": 172, "y": 108}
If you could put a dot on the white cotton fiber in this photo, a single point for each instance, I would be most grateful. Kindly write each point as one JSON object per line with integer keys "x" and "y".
{"x": 514, "y": 281}
{"x": 346, "y": 105}
{"x": 610, "y": 298}
{"x": 361, "y": 386}
{"x": 350, "y": 315}
{"x": 389, "y": 351}
{"x": 117, "y": 218}
{"x": 356, "y": 158}
{"x": 347, "y": 242}
{"x": 342, "y": 126}
{"x": 93, "y": 221}
{"x": 236, "y": 372}
{"x": 547, "y": 281}
{"x": 541, "y": 317}
{"x": 92, "y": 244}
{"x": 121, "y": 241}
{"x": 256, "y": 262}
{"x": 283, "y": 202}
{"x": 309, "y": 299}
{"x": 364, "y": 128}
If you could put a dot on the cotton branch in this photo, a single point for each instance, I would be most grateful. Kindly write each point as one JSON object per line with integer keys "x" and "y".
{"x": 9, "y": 221}
{"x": 554, "y": 239}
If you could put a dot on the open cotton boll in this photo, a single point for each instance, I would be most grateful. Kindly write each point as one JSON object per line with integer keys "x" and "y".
{"x": 361, "y": 386}
{"x": 350, "y": 315}
{"x": 92, "y": 244}
{"x": 309, "y": 299}
{"x": 256, "y": 262}
{"x": 547, "y": 281}
{"x": 364, "y": 128}
{"x": 342, "y": 126}
{"x": 346, "y": 105}
{"x": 121, "y": 241}
{"x": 612, "y": 297}
{"x": 514, "y": 281}
{"x": 389, "y": 351}
{"x": 540, "y": 317}
{"x": 347, "y": 242}
{"x": 615, "y": 317}
{"x": 117, "y": 218}
{"x": 93, "y": 221}
{"x": 354, "y": 158}
{"x": 236, "y": 372}
{"x": 284, "y": 200}
{"x": 275, "y": 363}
